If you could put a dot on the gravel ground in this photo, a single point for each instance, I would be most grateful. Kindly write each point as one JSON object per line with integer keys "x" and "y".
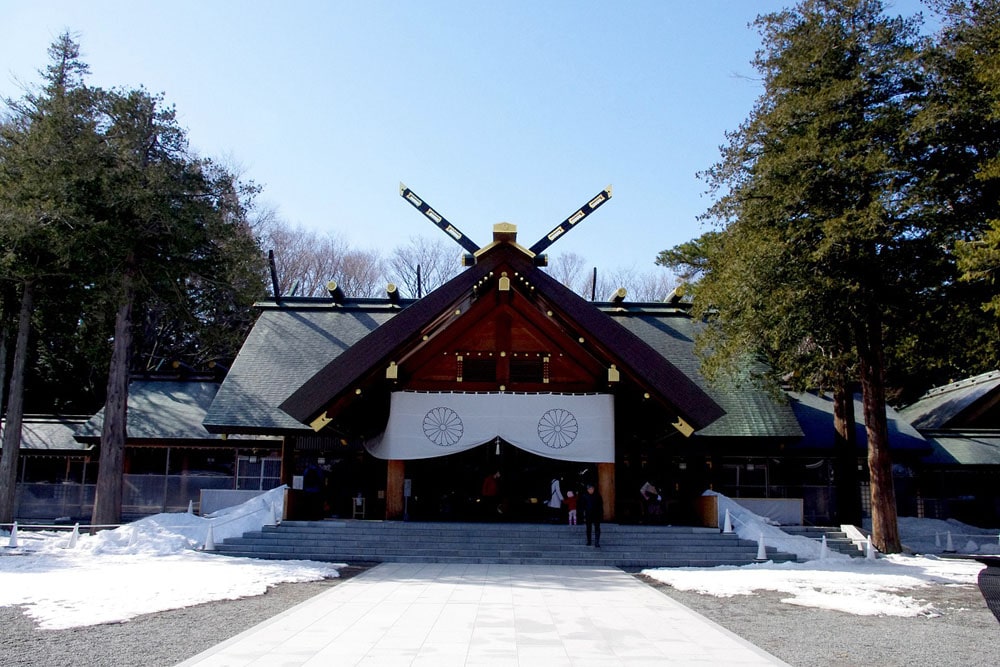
{"x": 153, "y": 640}
{"x": 963, "y": 631}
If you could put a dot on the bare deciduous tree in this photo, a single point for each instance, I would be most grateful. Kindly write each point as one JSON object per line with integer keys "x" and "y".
{"x": 439, "y": 261}
{"x": 571, "y": 270}
{"x": 307, "y": 260}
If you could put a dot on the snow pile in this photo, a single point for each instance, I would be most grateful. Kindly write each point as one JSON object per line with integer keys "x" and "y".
{"x": 930, "y": 536}
{"x": 148, "y": 566}
{"x": 750, "y": 526}
{"x": 168, "y": 533}
{"x": 855, "y": 586}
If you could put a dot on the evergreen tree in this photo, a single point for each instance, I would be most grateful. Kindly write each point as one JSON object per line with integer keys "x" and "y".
{"x": 104, "y": 213}
{"x": 176, "y": 236}
{"x": 961, "y": 126}
{"x": 49, "y": 170}
{"x": 817, "y": 241}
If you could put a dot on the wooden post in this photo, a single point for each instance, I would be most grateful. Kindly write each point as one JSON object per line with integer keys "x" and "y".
{"x": 606, "y": 487}
{"x": 287, "y": 460}
{"x": 395, "y": 474}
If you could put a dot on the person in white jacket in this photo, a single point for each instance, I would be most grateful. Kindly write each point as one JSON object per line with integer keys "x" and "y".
{"x": 555, "y": 500}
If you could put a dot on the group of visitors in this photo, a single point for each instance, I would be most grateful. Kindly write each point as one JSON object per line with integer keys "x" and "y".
{"x": 591, "y": 504}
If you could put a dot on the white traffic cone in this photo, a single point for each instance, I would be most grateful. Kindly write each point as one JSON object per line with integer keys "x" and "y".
{"x": 12, "y": 542}
{"x": 937, "y": 539}
{"x": 133, "y": 538}
{"x": 822, "y": 549}
{"x": 210, "y": 539}
{"x": 870, "y": 552}
{"x": 190, "y": 507}
{"x": 73, "y": 537}
{"x": 761, "y": 551}
{"x": 727, "y": 527}
{"x": 949, "y": 547}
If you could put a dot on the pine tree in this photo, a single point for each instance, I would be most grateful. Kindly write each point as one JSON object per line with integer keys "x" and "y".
{"x": 816, "y": 242}
{"x": 49, "y": 155}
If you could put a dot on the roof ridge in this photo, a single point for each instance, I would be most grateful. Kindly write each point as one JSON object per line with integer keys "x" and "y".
{"x": 961, "y": 384}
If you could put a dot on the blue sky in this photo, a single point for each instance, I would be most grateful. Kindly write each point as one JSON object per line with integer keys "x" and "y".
{"x": 491, "y": 111}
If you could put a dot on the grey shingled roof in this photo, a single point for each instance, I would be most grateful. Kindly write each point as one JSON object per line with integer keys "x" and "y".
{"x": 287, "y": 346}
{"x": 39, "y": 434}
{"x": 815, "y": 415}
{"x": 965, "y": 449}
{"x": 272, "y": 365}
{"x": 750, "y": 412}
{"x": 939, "y": 407}
{"x": 162, "y": 410}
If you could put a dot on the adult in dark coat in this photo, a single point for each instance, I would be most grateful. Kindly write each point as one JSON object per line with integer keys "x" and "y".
{"x": 593, "y": 512}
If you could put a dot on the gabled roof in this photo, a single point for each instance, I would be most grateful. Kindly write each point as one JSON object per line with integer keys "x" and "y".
{"x": 949, "y": 406}
{"x": 289, "y": 343}
{"x": 49, "y": 434}
{"x": 377, "y": 348}
{"x": 749, "y": 411}
{"x": 964, "y": 448}
{"x": 161, "y": 410}
{"x": 815, "y": 415}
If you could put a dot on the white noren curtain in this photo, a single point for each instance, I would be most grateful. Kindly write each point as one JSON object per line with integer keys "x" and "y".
{"x": 568, "y": 427}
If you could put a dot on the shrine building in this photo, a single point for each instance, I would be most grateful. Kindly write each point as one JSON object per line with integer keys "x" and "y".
{"x": 407, "y": 406}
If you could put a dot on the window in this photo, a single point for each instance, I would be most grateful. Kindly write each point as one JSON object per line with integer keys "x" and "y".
{"x": 258, "y": 473}
{"x": 478, "y": 370}
{"x": 527, "y": 369}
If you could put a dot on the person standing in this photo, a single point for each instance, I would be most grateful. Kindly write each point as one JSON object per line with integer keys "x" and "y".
{"x": 593, "y": 513}
{"x": 555, "y": 500}
{"x": 571, "y": 507}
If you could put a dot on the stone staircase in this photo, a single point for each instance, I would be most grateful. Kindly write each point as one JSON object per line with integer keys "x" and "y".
{"x": 836, "y": 539}
{"x": 625, "y": 546}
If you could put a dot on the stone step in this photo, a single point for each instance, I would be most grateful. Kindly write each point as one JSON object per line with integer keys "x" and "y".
{"x": 836, "y": 539}
{"x": 370, "y": 541}
{"x": 636, "y": 564}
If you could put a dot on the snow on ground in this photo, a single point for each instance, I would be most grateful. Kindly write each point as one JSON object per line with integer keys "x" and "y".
{"x": 151, "y": 565}
{"x": 888, "y": 585}
{"x": 158, "y": 563}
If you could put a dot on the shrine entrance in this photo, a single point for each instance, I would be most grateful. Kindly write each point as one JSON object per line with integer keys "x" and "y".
{"x": 466, "y": 487}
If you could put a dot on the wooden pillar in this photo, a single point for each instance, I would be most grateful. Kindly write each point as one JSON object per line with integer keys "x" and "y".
{"x": 287, "y": 460}
{"x": 606, "y": 487}
{"x": 395, "y": 474}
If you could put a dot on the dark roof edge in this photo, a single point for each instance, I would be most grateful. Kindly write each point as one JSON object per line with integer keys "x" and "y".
{"x": 694, "y": 405}
{"x": 375, "y": 347}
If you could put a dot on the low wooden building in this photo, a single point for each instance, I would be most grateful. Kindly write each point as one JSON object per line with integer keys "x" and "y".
{"x": 960, "y": 477}
{"x": 169, "y": 456}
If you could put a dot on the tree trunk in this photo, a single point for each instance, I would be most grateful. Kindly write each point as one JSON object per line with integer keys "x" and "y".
{"x": 108, "y": 498}
{"x": 871, "y": 358}
{"x": 15, "y": 409}
{"x": 848, "y": 508}
{"x": 7, "y": 301}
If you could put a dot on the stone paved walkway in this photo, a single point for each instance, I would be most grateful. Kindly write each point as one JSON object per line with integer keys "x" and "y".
{"x": 440, "y": 615}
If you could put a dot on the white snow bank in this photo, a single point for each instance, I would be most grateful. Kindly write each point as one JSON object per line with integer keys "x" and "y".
{"x": 750, "y": 526}
{"x": 148, "y": 566}
{"x": 889, "y": 586}
{"x": 930, "y": 536}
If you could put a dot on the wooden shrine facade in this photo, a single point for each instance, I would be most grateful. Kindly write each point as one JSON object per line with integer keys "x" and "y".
{"x": 327, "y": 369}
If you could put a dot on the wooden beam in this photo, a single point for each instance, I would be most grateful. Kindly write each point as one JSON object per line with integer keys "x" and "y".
{"x": 606, "y": 487}
{"x": 394, "y": 502}
{"x": 287, "y": 460}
